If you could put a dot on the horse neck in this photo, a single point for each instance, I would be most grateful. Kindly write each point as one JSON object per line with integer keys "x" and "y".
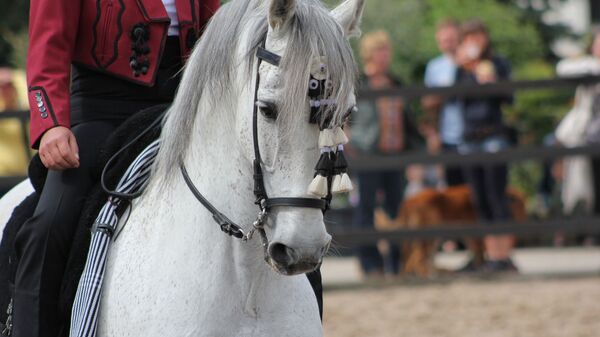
{"x": 222, "y": 172}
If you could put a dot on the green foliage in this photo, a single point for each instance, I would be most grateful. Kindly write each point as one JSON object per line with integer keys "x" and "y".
{"x": 536, "y": 112}
{"x": 547, "y": 32}
{"x": 525, "y": 176}
{"x": 13, "y": 31}
{"x": 412, "y": 24}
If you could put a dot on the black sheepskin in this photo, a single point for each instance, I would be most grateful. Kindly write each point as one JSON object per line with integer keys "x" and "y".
{"x": 7, "y": 255}
{"x": 133, "y": 127}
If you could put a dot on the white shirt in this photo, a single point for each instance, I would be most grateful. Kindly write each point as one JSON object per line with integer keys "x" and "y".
{"x": 172, "y": 12}
{"x": 441, "y": 72}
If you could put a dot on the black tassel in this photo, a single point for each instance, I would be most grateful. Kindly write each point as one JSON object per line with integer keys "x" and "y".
{"x": 320, "y": 185}
{"x": 341, "y": 164}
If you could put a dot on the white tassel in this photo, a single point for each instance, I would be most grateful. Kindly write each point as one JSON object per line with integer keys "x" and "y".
{"x": 326, "y": 138}
{"x": 318, "y": 187}
{"x": 340, "y": 137}
{"x": 335, "y": 185}
{"x": 342, "y": 184}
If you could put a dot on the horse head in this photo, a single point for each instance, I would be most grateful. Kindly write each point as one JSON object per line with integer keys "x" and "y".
{"x": 314, "y": 81}
{"x": 266, "y": 81}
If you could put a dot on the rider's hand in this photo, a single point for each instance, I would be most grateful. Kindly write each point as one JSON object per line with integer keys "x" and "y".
{"x": 58, "y": 149}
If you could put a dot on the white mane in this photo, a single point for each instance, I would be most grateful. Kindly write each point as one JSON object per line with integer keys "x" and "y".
{"x": 212, "y": 65}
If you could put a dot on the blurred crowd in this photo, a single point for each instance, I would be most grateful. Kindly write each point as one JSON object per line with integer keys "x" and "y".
{"x": 463, "y": 125}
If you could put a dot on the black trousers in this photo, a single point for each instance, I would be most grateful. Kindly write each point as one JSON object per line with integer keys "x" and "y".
{"x": 488, "y": 185}
{"x": 596, "y": 175}
{"x": 454, "y": 174}
{"x": 392, "y": 183}
{"x": 44, "y": 242}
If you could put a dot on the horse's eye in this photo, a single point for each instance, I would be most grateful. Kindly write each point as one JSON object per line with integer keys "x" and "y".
{"x": 267, "y": 109}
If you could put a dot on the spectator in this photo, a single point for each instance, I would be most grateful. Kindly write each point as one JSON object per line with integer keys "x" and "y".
{"x": 485, "y": 131}
{"x": 441, "y": 72}
{"x": 580, "y": 127}
{"x": 381, "y": 126}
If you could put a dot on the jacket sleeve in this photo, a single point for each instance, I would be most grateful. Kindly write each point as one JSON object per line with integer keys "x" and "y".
{"x": 53, "y": 26}
{"x": 207, "y": 9}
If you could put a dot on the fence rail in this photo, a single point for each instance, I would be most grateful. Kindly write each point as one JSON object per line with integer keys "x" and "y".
{"x": 479, "y": 90}
{"x": 580, "y": 225}
{"x": 388, "y": 163}
{"x": 350, "y": 238}
{"x": 7, "y": 183}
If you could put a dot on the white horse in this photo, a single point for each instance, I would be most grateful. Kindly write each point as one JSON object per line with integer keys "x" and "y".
{"x": 172, "y": 271}
{"x": 11, "y": 200}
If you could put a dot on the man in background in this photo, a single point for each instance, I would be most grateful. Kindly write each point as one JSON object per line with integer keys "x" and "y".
{"x": 446, "y": 113}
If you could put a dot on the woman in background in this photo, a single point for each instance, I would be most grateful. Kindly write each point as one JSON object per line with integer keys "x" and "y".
{"x": 581, "y": 127}
{"x": 485, "y": 131}
{"x": 382, "y": 127}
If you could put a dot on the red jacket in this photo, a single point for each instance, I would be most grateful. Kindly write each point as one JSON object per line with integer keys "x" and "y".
{"x": 99, "y": 34}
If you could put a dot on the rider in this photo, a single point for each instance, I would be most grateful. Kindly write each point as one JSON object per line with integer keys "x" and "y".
{"x": 91, "y": 64}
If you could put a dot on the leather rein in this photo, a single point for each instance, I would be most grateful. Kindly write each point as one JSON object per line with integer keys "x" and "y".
{"x": 262, "y": 200}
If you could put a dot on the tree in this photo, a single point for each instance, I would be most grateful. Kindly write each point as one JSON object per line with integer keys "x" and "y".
{"x": 412, "y": 24}
{"x": 13, "y": 29}
{"x": 533, "y": 11}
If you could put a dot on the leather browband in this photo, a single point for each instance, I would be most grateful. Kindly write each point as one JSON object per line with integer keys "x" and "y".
{"x": 268, "y": 56}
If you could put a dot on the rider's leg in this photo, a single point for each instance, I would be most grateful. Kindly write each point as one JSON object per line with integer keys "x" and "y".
{"x": 44, "y": 242}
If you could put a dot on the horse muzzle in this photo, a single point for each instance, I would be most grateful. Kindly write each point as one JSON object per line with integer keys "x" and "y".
{"x": 293, "y": 261}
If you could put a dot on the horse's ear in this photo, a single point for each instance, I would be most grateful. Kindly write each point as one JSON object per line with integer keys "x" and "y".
{"x": 281, "y": 12}
{"x": 348, "y": 15}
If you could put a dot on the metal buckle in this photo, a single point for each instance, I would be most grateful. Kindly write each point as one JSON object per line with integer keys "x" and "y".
{"x": 103, "y": 228}
{"x": 259, "y": 223}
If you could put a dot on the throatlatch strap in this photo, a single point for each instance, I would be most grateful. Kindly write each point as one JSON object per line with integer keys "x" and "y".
{"x": 226, "y": 225}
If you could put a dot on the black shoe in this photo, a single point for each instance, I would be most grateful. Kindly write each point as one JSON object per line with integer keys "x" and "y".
{"x": 500, "y": 266}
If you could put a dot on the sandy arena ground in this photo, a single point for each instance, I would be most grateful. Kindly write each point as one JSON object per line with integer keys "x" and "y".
{"x": 511, "y": 307}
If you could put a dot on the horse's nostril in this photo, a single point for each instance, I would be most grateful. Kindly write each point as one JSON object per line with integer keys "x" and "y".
{"x": 282, "y": 254}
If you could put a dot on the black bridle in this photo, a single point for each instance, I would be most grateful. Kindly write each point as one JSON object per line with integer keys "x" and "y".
{"x": 262, "y": 200}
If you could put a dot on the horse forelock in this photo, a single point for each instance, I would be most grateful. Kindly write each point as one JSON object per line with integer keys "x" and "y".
{"x": 213, "y": 66}
{"x": 314, "y": 33}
